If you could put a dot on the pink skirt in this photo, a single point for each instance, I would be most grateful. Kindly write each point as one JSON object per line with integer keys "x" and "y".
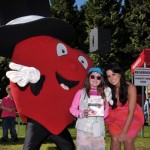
{"x": 117, "y": 117}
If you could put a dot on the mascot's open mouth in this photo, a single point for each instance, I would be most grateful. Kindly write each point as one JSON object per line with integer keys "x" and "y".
{"x": 64, "y": 83}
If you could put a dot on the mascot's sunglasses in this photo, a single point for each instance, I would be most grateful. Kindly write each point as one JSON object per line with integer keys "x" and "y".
{"x": 97, "y": 77}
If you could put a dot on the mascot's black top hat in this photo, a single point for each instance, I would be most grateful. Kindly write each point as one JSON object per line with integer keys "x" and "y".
{"x": 21, "y": 19}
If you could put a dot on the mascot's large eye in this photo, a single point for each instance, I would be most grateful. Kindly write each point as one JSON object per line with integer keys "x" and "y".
{"x": 61, "y": 49}
{"x": 83, "y": 61}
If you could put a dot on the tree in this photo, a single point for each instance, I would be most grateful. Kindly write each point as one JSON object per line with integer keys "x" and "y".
{"x": 129, "y": 24}
{"x": 104, "y": 14}
{"x": 66, "y": 10}
{"x": 3, "y": 79}
{"x": 137, "y": 23}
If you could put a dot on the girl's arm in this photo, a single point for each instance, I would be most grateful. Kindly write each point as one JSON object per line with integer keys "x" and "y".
{"x": 5, "y": 107}
{"x": 74, "y": 109}
{"x": 132, "y": 97}
{"x": 106, "y": 110}
{"x": 8, "y": 109}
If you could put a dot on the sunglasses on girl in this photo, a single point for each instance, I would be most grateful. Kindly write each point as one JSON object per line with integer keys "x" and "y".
{"x": 97, "y": 77}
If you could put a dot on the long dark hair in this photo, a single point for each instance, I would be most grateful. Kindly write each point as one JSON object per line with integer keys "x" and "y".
{"x": 123, "y": 91}
{"x": 100, "y": 88}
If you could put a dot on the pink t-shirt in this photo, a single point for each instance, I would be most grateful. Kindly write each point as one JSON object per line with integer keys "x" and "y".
{"x": 74, "y": 109}
{"x": 8, "y": 102}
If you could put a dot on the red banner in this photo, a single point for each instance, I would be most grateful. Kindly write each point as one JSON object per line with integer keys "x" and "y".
{"x": 144, "y": 57}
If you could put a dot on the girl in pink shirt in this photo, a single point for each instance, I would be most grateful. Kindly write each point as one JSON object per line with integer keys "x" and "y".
{"x": 90, "y": 128}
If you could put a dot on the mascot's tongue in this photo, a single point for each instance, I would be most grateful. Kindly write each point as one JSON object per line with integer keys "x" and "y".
{"x": 64, "y": 86}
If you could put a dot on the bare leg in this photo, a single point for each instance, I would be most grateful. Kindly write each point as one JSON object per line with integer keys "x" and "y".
{"x": 129, "y": 143}
{"x": 115, "y": 144}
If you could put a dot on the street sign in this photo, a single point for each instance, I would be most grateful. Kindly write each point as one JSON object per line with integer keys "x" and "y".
{"x": 142, "y": 76}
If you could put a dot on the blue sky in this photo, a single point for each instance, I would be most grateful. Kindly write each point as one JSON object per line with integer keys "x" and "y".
{"x": 80, "y": 2}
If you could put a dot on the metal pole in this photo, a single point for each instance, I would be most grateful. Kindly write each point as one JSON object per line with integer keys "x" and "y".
{"x": 143, "y": 98}
{"x": 142, "y": 131}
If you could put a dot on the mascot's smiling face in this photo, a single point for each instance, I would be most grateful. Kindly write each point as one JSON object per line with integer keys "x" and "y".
{"x": 64, "y": 70}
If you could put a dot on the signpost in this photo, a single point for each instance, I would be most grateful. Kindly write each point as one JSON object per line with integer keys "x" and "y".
{"x": 142, "y": 76}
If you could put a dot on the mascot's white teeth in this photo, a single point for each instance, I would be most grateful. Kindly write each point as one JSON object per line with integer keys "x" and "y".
{"x": 64, "y": 86}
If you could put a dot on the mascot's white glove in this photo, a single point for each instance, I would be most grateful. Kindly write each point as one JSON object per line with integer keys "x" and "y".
{"x": 22, "y": 74}
{"x": 108, "y": 94}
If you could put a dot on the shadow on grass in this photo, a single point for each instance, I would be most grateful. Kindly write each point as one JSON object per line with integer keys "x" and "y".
{"x": 9, "y": 142}
{"x": 21, "y": 142}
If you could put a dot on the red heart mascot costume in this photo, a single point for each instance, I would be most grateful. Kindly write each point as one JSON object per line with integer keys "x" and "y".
{"x": 45, "y": 71}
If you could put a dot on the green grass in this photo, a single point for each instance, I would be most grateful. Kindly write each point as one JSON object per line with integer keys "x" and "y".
{"x": 142, "y": 141}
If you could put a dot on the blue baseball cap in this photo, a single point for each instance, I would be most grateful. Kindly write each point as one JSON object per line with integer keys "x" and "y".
{"x": 95, "y": 69}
